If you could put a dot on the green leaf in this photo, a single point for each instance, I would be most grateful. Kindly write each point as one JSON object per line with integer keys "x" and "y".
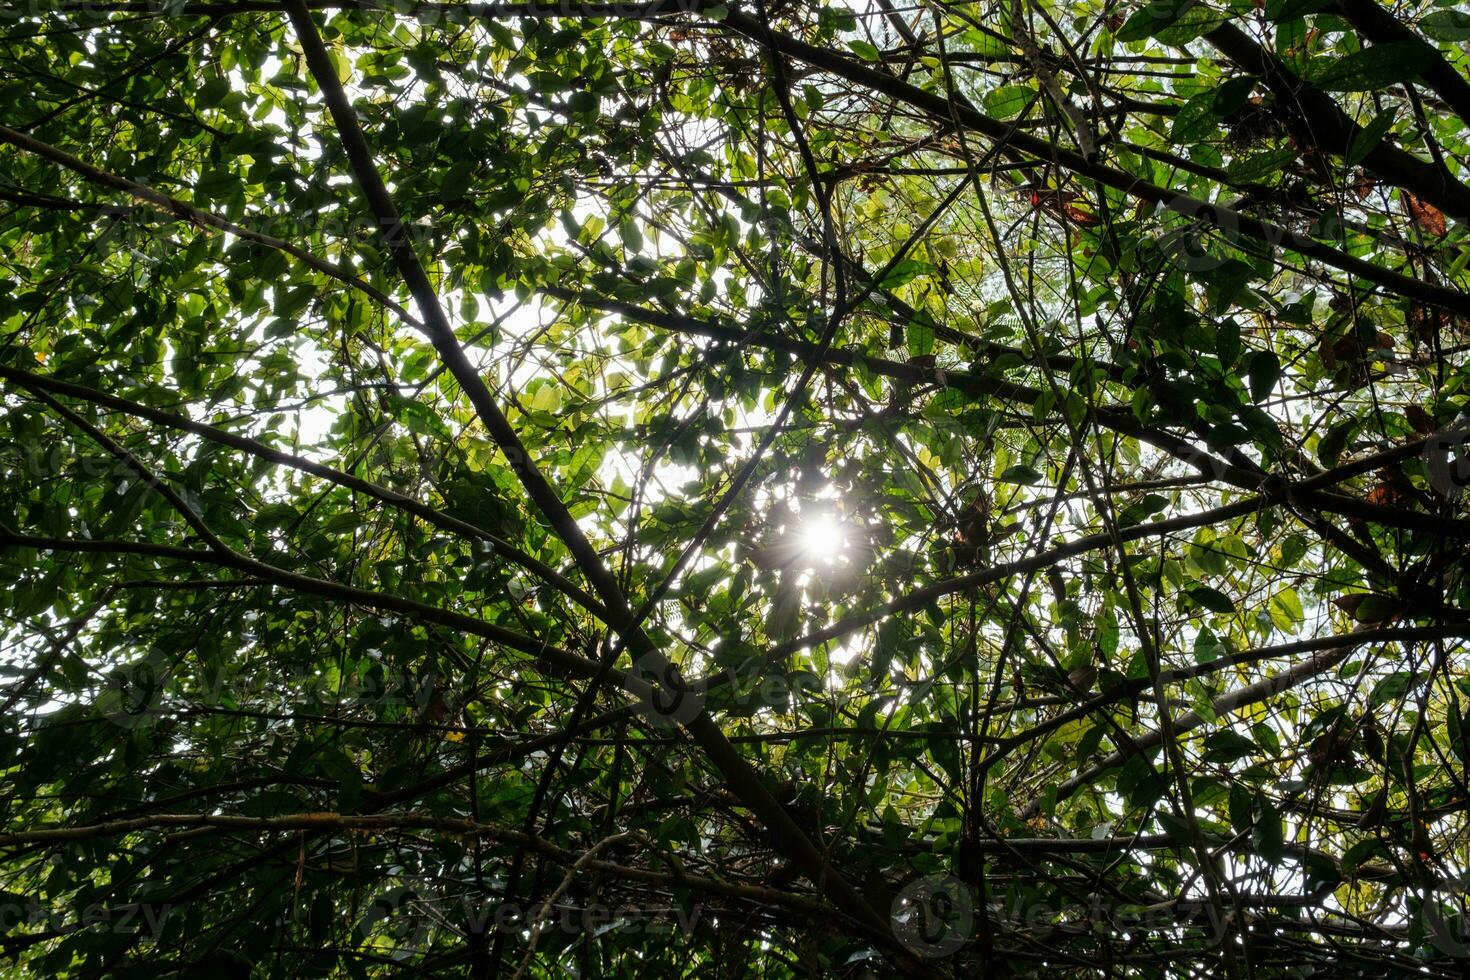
{"x": 1374, "y": 608}
{"x": 1242, "y": 809}
{"x": 1225, "y": 746}
{"x": 583, "y": 103}
{"x": 1361, "y": 853}
{"x": 1143, "y": 22}
{"x": 1197, "y": 118}
{"x": 1139, "y": 782}
{"x": 1007, "y": 101}
{"x": 1331, "y": 445}
{"x": 1269, "y": 832}
{"x": 984, "y": 44}
{"x": 1279, "y": 10}
{"x": 1365, "y": 139}
{"x": 1212, "y": 599}
{"x": 1232, "y": 94}
{"x": 1197, "y": 20}
{"x": 341, "y": 64}
{"x": 1020, "y": 474}
{"x": 906, "y": 271}
{"x": 1285, "y": 609}
{"x": 1393, "y": 688}
{"x": 1373, "y": 68}
{"x": 1264, "y": 371}
{"x": 1322, "y": 872}
{"x": 456, "y": 182}
{"x": 631, "y": 234}
{"x": 1159, "y": 16}
{"x": 865, "y": 50}
{"x": 1450, "y": 26}
{"x": 1266, "y": 737}
{"x": 920, "y": 339}
{"x": 417, "y": 417}
{"x": 1259, "y": 166}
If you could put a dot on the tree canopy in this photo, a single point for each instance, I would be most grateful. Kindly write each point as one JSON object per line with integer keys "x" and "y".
{"x": 722, "y": 489}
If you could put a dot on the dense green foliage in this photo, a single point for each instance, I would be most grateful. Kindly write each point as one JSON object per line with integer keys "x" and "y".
{"x": 723, "y": 490}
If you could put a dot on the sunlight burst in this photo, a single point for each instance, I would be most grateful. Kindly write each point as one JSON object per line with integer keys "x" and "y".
{"x": 822, "y": 538}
